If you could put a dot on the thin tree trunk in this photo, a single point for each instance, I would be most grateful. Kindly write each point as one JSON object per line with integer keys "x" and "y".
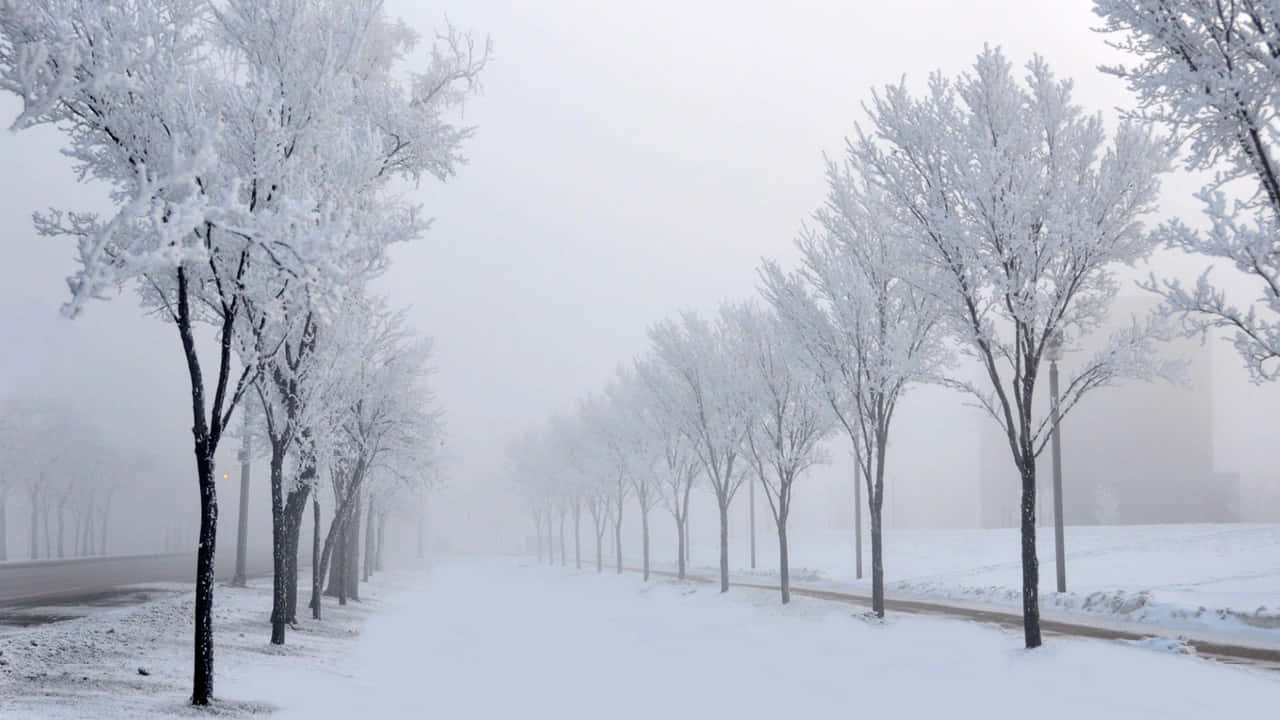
{"x": 751, "y": 511}
{"x": 563, "y": 560}
{"x": 680, "y": 549}
{"x": 857, "y": 515}
{"x": 353, "y": 550}
{"x": 61, "y": 524}
{"x": 784, "y": 564}
{"x": 106, "y": 516}
{"x": 876, "y": 494}
{"x": 537, "y": 523}
{"x": 723, "y": 502}
{"x": 688, "y": 539}
{"x": 334, "y": 587}
{"x": 35, "y": 525}
{"x": 617, "y": 540}
{"x": 370, "y": 531}
{"x": 577, "y": 535}
{"x": 644, "y": 528}
{"x": 315, "y": 556}
{"x": 382, "y": 536}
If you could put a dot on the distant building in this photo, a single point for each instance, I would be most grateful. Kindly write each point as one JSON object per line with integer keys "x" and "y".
{"x": 1135, "y": 453}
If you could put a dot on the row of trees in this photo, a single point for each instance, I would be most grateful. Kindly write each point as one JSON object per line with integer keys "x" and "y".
{"x": 983, "y": 218}
{"x": 66, "y": 473}
{"x": 251, "y": 148}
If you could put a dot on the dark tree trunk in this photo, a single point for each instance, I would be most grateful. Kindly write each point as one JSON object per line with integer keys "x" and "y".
{"x": 577, "y": 536}
{"x": 875, "y": 494}
{"x": 35, "y": 526}
{"x": 600, "y": 547}
{"x": 537, "y": 522}
{"x": 688, "y": 540}
{"x": 551, "y": 539}
{"x": 202, "y": 676}
{"x": 877, "y": 558}
{"x": 1030, "y": 561}
{"x": 784, "y": 562}
{"x": 336, "y": 567}
{"x": 295, "y": 508}
{"x": 88, "y": 532}
{"x": 315, "y": 556}
{"x": 382, "y": 537}
{"x": 106, "y": 516}
{"x": 644, "y": 528}
{"x": 331, "y": 557}
{"x": 617, "y": 541}
{"x": 370, "y": 530}
{"x": 857, "y": 514}
{"x": 352, "y": 584}
{"x": 563, "y": 559}
{"x": 279, "y": 544}
{"x": 61, "y": 526}
{"x": 723, "y": 502}
{"x": 680, "y": 550}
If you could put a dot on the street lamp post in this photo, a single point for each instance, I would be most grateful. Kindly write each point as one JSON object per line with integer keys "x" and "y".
{"x": 1054, "y": 352}
{"x": 242, "y": 531}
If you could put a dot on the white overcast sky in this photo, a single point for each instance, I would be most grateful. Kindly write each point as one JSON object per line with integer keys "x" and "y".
{"x": 630, "y": 159}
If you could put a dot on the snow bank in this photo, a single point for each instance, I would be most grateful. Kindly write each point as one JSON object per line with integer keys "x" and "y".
{"x": 1219, "y": 581}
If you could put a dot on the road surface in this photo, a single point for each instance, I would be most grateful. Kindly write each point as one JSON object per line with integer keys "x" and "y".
{"x": 39, "y": 581}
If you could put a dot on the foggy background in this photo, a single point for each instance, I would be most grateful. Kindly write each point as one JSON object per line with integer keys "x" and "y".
{"x": 630, "y": 162}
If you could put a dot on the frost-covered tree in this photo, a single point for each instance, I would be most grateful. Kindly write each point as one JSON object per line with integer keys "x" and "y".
{"x": 786, "y": 412}
{"x": 1210, "y": 71}
{"x": 634, "y": 426}
{"x": 705, "y": 407}
{"x": 383, "y": 422}
{"x": 193, "y": 113}
{"x": 609, "y": 430}
{"x": 678, "y": 463}
{"x": 864, "y": 326}
{"x": 1020, "y": 208}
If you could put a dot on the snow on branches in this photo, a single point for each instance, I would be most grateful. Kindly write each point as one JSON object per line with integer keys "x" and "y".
{"x": 1210, "y": 71}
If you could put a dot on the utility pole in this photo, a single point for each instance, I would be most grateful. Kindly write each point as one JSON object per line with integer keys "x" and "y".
{"x": 1054, "y": 352}
{"x": 751, "y": 505}
{"x": 242, "y": 532}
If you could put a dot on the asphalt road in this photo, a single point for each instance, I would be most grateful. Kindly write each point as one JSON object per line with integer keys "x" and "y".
{"x": 33, "y": 582}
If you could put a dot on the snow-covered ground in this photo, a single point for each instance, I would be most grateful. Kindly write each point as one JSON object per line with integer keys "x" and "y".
{"x": 135, "y": 662}
{"x": 499, "y": 638}
{"x": 1218, "y": 580}
{"x": 494, "y": 639}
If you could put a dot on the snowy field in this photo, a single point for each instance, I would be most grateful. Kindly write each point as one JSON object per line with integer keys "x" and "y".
{"x": 1220, "y": 580}
{"x": 502, "y": 639}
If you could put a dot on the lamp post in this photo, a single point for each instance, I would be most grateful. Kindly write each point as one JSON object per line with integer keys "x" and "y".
{"x": 1053, "y": 350}
{"x": 242, "y": 530}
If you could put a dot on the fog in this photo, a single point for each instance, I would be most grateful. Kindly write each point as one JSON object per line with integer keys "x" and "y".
{"x": 627, "y": 163}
